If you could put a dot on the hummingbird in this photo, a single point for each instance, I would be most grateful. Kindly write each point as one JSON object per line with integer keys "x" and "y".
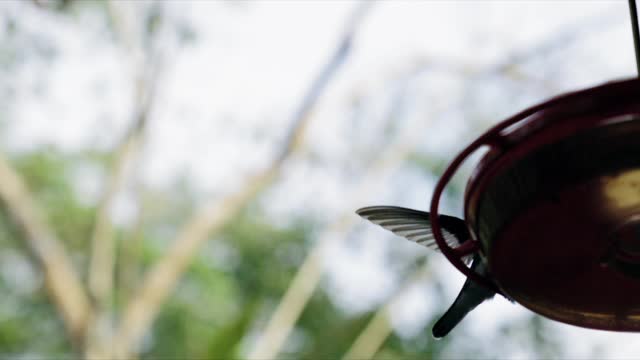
{"x": 415, "y": 226}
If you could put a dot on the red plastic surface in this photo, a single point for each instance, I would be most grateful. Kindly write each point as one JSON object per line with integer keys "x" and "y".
{"x": 550, "y": 256}
{"x": 495, "y": 138}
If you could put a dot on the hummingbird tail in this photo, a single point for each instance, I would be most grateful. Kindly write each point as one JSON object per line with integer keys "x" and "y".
{"x": 468, "y": 299}
{"x": 448, "y": 321}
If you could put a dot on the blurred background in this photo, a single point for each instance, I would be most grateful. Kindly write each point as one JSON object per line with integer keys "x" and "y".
{"x": 178, "y": 179}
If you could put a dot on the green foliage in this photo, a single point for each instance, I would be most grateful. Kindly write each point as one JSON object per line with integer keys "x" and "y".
{"x": 433, "y": 165}
{"x": 229, "y": 290}
{"x": 32, "y": 318}
{"x": 329, "y": 332}
{"x": 47, "y": 173}
{"x": 268, "y": 256}
{"x": 29, "y": 323}
{"x": 218, "y": 301}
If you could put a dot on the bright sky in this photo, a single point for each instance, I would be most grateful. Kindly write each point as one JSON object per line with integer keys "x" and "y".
{"x": 237, "y": 84}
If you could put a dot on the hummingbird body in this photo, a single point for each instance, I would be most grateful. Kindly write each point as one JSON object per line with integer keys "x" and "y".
{"x": 415, "y": 226}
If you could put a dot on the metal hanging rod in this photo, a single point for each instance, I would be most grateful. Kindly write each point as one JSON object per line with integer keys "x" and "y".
{"x": 634, "y": 26}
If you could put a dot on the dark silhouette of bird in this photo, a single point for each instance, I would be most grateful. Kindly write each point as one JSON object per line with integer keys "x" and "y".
{"x": 415, "y": 226}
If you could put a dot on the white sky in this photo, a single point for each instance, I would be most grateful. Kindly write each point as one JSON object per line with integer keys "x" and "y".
{"x": 227, "y": 97}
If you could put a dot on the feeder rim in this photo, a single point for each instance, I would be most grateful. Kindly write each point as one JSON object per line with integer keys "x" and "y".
{"x": 493, "y": 138}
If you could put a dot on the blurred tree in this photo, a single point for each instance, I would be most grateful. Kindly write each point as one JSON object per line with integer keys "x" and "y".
{"x": 187, "y": 278}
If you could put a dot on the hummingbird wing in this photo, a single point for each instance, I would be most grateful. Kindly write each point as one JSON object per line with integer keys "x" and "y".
{"x": 415, "y": 225}
{"x": 470, "y": 296}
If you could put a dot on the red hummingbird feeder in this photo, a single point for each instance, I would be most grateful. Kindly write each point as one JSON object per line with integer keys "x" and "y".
{"x": 553, "y": 207}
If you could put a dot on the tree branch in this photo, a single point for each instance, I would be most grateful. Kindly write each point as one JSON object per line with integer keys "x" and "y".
{"x": 62, "y": 281}
{"x": 102, "y": 265}
{"x": 294, "y": 300}
{"x": 103, "y": 256}
{"x": 372, "y": 337}
{"x": 162, "y": 278}
{"x": 130, "y": 251}
{"x": 103, "y": 251}
{"x": 379, "y": 327}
